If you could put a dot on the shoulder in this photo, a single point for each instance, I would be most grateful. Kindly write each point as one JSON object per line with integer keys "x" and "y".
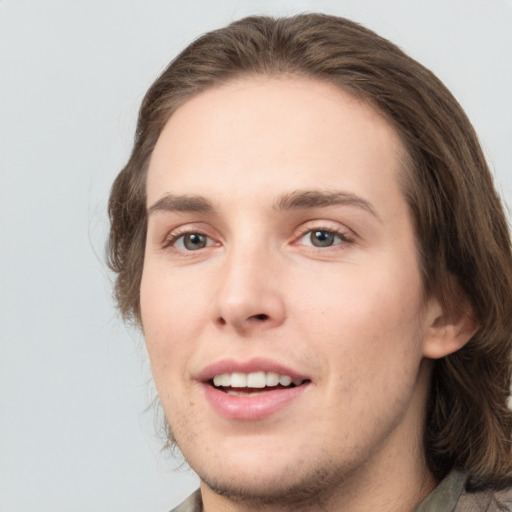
{"x": 485, "y": 501}
{"x": 451, "y": 496}
{"x": 192, "y": 504}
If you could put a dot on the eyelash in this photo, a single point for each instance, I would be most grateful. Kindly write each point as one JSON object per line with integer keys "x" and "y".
{"x": 343, "y": 236}
{"x": 172, "y": 238}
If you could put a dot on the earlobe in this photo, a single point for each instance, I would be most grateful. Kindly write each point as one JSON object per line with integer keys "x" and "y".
{"x": 449, "y": 331}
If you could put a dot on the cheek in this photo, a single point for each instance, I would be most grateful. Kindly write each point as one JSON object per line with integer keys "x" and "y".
{"x": 382, "y": 293}
{"x": 167, "y": 331}
{"x": 372, "y": 315}
{"x": 171, "y": 302}
{"x": 171, "y": 321}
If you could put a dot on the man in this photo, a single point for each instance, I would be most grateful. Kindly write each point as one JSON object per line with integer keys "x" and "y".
{"x": 308, "y": 235}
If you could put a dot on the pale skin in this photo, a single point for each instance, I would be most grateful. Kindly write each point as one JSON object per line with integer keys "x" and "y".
{"x": 278, "y": 234}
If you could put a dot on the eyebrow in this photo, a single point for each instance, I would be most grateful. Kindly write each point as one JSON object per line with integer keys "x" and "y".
{"x": 174, "y": 203}
{"x": 297, "y": 200}
{"x": 304, "y": 199}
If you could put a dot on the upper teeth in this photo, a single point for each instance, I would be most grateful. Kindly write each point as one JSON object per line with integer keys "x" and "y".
{"x": 253, "y": 380}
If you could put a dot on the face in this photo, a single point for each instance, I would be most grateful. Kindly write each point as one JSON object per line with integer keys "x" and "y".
{"x": 281, "y": 297}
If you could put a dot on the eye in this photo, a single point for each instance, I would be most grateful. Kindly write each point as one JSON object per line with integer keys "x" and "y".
{"x": 322, "y": 238}
{"x": 190, "y": 241}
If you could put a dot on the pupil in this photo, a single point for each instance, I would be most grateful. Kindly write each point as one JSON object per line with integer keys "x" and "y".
{"x": 322, "y": 238}
{"x": 194, "y": 241}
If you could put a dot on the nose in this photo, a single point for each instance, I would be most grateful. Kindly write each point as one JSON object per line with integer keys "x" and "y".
{"x": 249, "y": 297}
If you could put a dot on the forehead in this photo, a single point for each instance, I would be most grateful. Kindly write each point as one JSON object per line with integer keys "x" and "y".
{"x": 262, "y": 133}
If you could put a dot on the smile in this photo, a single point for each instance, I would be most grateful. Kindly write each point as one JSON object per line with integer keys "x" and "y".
{"x": 251, "y": 390}
{"x": 264, "y": 381}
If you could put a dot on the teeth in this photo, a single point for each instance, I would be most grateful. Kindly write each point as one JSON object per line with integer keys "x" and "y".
{"x": 253, "y": 380}
{"x": 256, "y": 380}
{"x": 272, "y": 379}
{"x": 284, "y": 380}
{"x": 238, "y": 380}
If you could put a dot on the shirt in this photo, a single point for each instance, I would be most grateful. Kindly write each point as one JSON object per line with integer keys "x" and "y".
{"x": 448, "y": 496}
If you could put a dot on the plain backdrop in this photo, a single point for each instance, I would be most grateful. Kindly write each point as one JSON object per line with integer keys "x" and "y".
{"x": 76, "y": 424}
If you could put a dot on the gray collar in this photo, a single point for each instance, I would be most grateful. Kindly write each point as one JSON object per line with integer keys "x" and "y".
{"x": 446, "y": 495}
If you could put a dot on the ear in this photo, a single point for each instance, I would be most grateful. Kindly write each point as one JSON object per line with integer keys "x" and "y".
{"x": 449, "y": 328}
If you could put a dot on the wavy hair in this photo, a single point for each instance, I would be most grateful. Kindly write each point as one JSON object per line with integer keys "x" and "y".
{"x": 461, "y": 230}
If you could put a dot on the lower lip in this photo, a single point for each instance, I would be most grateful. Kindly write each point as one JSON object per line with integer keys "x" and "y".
{"x": 251, "y": 407}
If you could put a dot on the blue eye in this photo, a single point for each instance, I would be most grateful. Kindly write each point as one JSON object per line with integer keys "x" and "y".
{"x": 321, "y": 238}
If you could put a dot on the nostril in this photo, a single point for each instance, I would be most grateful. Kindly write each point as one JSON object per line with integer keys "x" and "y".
{"x": 261, "y": 316}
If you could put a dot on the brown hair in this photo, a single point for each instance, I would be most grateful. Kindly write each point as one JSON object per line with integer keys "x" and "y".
{"x": 462, "y": 235}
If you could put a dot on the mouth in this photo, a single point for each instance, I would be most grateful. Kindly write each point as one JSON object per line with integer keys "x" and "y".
{"x": 254, "y": 383}
{"x": 251, "y": 390}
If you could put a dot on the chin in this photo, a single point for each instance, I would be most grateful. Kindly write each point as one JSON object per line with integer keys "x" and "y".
{"x": 272, "y": 486}
{"x": 260, "y": 471}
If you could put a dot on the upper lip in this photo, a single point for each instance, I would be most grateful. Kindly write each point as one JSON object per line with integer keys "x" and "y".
{"x": 250, "y": 366}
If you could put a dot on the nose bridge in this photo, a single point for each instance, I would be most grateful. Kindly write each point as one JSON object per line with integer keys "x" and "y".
{"x": 248, "y": 293}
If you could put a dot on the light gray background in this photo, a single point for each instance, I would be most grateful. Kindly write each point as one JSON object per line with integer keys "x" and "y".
{"x": 73, "y": 381}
